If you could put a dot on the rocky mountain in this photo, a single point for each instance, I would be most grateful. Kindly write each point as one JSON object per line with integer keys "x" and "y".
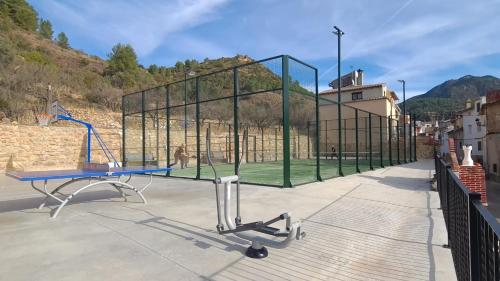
{"x": 450, "y": 96}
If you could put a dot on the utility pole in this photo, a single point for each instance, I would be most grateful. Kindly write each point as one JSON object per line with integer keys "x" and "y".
{"x": 339, "y": 34}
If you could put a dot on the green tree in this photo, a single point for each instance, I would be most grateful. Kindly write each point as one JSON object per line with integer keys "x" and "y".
{"x": 153, "y": 69}
{"x": 123, "y": 67}
{"x": 179, "y": 66}
{"x": 20, "y": 12}
{"x": 62, "y": 40}
{"x": 45, "y": 29}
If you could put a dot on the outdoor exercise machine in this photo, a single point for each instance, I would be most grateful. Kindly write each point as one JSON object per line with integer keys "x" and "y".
{"x": 257, "y": 249}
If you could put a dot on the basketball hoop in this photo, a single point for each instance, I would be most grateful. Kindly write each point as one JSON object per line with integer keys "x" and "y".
{"x": 43, "y": 119}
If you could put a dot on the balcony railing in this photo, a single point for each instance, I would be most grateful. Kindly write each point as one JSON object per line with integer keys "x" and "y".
{"x": 472, "y": 230}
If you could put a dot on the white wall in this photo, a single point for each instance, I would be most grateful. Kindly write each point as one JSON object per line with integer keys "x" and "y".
{"x": 474, "y": 133}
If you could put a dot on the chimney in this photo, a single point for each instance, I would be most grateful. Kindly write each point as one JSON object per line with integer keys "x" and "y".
{"x": 473, "y": 177}
{"x": 360, "y": 77}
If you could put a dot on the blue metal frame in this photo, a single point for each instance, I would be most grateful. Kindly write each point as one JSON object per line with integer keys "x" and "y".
{"x": 89, "y": 130}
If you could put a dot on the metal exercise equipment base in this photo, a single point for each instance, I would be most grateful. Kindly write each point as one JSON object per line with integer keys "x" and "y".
{"x": 256, "y": 253}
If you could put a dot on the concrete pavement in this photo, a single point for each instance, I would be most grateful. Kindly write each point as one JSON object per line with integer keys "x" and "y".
{"x": 379, "y": 225}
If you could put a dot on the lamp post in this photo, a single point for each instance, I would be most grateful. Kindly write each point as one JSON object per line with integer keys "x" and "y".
{"x": 404, "y": 118}
{"x": 339, "y": 34}
{"x": 187, "y": 73}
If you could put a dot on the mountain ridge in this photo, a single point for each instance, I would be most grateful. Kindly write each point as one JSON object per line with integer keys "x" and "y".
{"x": 444, "y": 99}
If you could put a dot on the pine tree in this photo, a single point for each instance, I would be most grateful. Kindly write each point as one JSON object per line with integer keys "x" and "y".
{"x": 45, "y": 29}
{"x": 62, "y": 40}
{"x": 123, "y": 67}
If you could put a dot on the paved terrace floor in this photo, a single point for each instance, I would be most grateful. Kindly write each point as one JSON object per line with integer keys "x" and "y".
{"x": 379, "y": 225}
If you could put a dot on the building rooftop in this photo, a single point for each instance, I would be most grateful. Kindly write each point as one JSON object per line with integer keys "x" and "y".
{"x": 352, "y": 88}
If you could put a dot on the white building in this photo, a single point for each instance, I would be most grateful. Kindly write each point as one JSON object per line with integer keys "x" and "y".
{"x": 472, "y": 125}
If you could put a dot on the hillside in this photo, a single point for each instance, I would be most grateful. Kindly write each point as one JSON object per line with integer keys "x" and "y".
{"x": 32, "y": 58}
{"x": 450, "y": 96}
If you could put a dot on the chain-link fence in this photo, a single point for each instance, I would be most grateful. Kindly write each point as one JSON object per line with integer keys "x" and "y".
{"x": 294, "y": 135}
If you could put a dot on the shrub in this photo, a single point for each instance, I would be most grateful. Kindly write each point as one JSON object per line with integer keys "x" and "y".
{"x": 6, "y": 53}
{"x": 37, "y": 57}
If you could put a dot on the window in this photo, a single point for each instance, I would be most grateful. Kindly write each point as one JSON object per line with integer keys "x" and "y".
{"x": 495, "y": 169}
{"x": 478, "y": 106}
{"x": 357, "y": 96}
{"x": 479, "y": 146}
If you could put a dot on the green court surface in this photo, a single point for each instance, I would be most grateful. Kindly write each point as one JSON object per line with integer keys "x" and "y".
{"x": 271, "y": 172}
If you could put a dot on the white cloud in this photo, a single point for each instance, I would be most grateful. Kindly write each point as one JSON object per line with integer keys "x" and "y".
{"x": 144, "y": 24}
{"x": 402, "y": 39}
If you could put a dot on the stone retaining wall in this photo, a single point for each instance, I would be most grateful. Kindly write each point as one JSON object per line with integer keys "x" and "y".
{"x": 31, "y": 148}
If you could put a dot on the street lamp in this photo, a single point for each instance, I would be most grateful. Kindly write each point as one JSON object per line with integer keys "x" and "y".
{"x": 339, "y": 34}
{"x": 187, "y": 73}
{"x": 404, "y": 118}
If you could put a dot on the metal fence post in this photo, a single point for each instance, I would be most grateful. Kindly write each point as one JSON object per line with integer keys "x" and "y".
{"x": 246, "y": 147}
{"x": 227, "y": 150}
{"x": 236, "y": 126}
{"x": 254, "y": 148}
{"x": 298, "y": 143}
{"x": 345, "y": 139}
{"x": 123, "y": 131}
{"x": 230, "y": 141}
{"x": 326, "y": 137}
{"x": 308, "y": 142}
{"x": 398, "y": 136}
{"x": 275, "y": 144}
{"x": 415, "y": 138}
{"x": 381, "y": 143}
{"x": 410, "y": 137}
{"x": 366, "y": 138}
{"x": 286, "y": 123}
{"x": 356, "y": 125}
{"x": 157, "y": 134}
{"x": 317, "y": 128}
{"x": 143, "y": 117}
{"x": 389, "y": 127}
{"x": 404, "y": 137}
{"x": 168, "y": 127}
{"x": 198, "y": 141}
{"x": 370, "y": 140}
{"x": 262, "y": 144}
{"x": 235, "y": 121}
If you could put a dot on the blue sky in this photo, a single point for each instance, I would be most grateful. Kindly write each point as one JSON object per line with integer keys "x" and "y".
{"x": 424, "y": 42}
